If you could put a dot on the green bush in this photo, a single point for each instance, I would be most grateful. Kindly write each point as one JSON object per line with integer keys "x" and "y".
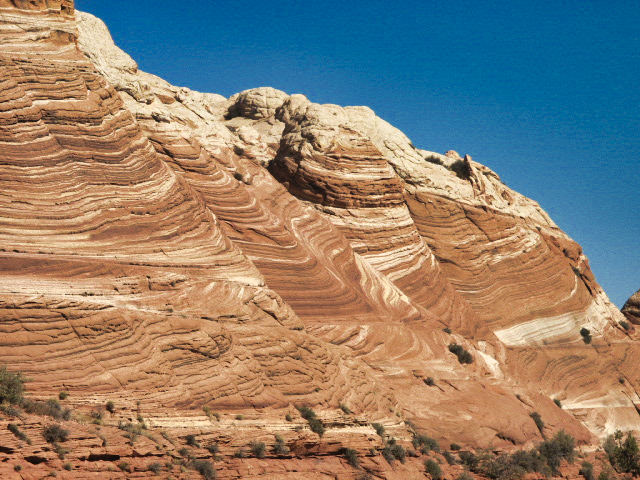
{"x": 586, "y": 470}
{"x": 55, "y": 433}
{"x": 155, "y": 467}
{"x": 204, "y": 468}
{"x": 623, "y": 452}
{"x": 465, "y": 476}
{"x": 561, "y": 446}
{"x": 258, "y": 449}
{"x": 11, "y": 386}
{"x": 538, "y": 420}
{"x": 13, "y": 428}
{"x": 557, "y": 402}
{"x": 455, "y": 447}
{"x": 463, "y": 355}
{"x": 192, "y": 441}
{"x": 425, "y": 443}
{"x": 317, "y": 426}
{"x": 433, "y": 469}
{"x": 67, "y": 466}
{"x": 50, "y": 408}
{"x": 624, "y": 324}
{"x": 586, "y": 335}
{"x": 448, "y": 456}
{"x": 63, "y": 395}
{"x": 446, "y": 330}
{"x": 429, "y": 381}
{"x": 110, "y": 406}
{"x": 279, "y": 447}
{"x": 352, "y": 457}
{"x": 214, "y": 448}
{"x": 379, "y": 428}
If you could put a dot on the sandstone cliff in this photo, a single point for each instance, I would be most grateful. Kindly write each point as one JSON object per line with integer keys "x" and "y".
{"x": 184, "y": 250}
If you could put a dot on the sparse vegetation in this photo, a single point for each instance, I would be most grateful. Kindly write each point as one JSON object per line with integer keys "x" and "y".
{"x": 125, "y": 467}
{"x": 446, "y": 330}
{"x": 448, "y": 456}
{"x": 67, "y": 466}
{"x": 155, "y": 467}
{"x": 258, "y": 449}
{"x": 239, "y": 417}
{"x": 11, "y": 386}
{"x": 204, "y": 468}
{"x": 214, "y": 448}
{"x": 240, "y": 453}
{"x": 557, "y": 402}
{"x": 379, "y": 428}
{"x": 13, "y": 428}
{"x": 624, "y": 324}
{"x": 538, "y": 421}
{"x": 464, "y": 476}
{"x": 345, "y": 409}
{"x": 393, "y": 451}
{"x": 623, "y": 452}
{"x": 192, "y": 441}
{"x": 352, "y": 457}
{"x": 429, "y": 381}
{"x": 110, "y": 406}
{"x": 63, "y": 395}
{"x": 586, "y": 335}
{"x": 50, "y": 408}
{"x": 55, "y": 433}
{"x": 464, "y": 357}
{"x": 586, "y": 470}
{"x": 455, "y": 447}
{"x": 424, "y": 443}
{"x": 315, "y": 424}
{"x": 17, "y": 467}
{"x": 288, "y": 417}
{"x": 184, "y": 452}
{"x": 433, "y": 469}
{"x": 280, "y": 448}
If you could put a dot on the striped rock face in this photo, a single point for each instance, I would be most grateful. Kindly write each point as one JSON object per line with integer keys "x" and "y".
{"x": 631, "y": 309}
{"x": 259, "y": 251}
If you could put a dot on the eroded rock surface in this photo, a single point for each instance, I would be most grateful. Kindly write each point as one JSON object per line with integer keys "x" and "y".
{"x": 253, "y": 253}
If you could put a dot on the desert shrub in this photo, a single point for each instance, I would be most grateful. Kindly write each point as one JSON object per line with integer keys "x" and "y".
{"x": 557, "y": 402}
{"x": 461, "y": 169}
{"x": 455, "y": 447}
{"x": 204, "y": 468}
{"x": 459, "y": 351}
{"x": 55, "y": 433}
{"x": 239, "y": 417}
{"x": 621, "y": 379}
{"x": 240, "y": 453}
{"x": 586, "y": 470}
{"x": 125, "y": 467}
{"x": 110, "y": 406}
{"x": 258, "y": 449}
{"x": 623, "y": 452}
{"x": 624, "y": 324}
{"x": 433, "y": 469}
{"x": 192, "y": 441}
{"x": 379, "y": 428}
{"x": 11, "y": 386}
{"x": 465, "y": 476}
{"x": 352, "y": 457}
{"x": 398, "y": 452}
{"x": 214, "y": 448}
{"x": 67, "y": 466}
{"x": 17, "y": 467}
{"x": 155, "y": 467}
{"x": 317, "y": 426}
{"x": 425, "y": 443}
{"x": 553, "y": 451}
{"x": 446, "y": 330}
{"x": 60, "y": 451}
{"x": 586, "y": 335}
{"x": 429, "y": 381}
{"x": 306, "y": 413}
{"x": 468, "y": 459}
{"x": 448, "y": 456}
{"x": 387, "y": 454}
{"x": 345, "y": 409}
{"x": 538, "y": 420}
{"x": 63, "y": 395}
{"x": 50, "y": 408}
{"x": 288, "y": 417}
{"x": 13, "y": 428}
{"x": 184, "y": 452}
{"x": 280, "y": 448}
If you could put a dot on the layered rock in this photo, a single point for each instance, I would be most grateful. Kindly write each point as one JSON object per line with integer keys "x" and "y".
{"x": 263, "y": 251}
{"x": 631, "y": 308}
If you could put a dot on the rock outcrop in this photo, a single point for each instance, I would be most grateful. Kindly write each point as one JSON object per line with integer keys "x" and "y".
{"x": 249, "y": 254}
{"x": 631, "y": 308}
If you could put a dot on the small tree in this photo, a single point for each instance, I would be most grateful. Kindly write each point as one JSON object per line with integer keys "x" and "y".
{"x": 11, "y": 386}
{"x": 433, "y": 469}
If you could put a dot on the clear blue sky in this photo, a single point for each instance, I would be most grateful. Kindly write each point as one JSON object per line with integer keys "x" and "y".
{"x": 545, "y": 93}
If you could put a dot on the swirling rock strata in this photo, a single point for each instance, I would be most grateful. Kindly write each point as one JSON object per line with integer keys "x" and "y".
{"x": 631, "y": 308}
{"x": 262, "y": 251}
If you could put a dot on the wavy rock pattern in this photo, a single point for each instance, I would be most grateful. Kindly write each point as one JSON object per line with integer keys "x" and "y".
{"x": 262, "y": 250}
{"x": 631, "y": 308}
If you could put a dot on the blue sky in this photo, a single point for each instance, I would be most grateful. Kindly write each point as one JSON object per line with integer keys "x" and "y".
{"x": 544, "y": 93}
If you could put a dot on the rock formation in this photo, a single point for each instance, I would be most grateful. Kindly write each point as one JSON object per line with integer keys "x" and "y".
{"x": 185, "y": 250}
{"x": 631, "y": 308}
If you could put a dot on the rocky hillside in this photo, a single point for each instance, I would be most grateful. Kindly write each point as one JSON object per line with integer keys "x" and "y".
{"x": 187, "y": 253}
